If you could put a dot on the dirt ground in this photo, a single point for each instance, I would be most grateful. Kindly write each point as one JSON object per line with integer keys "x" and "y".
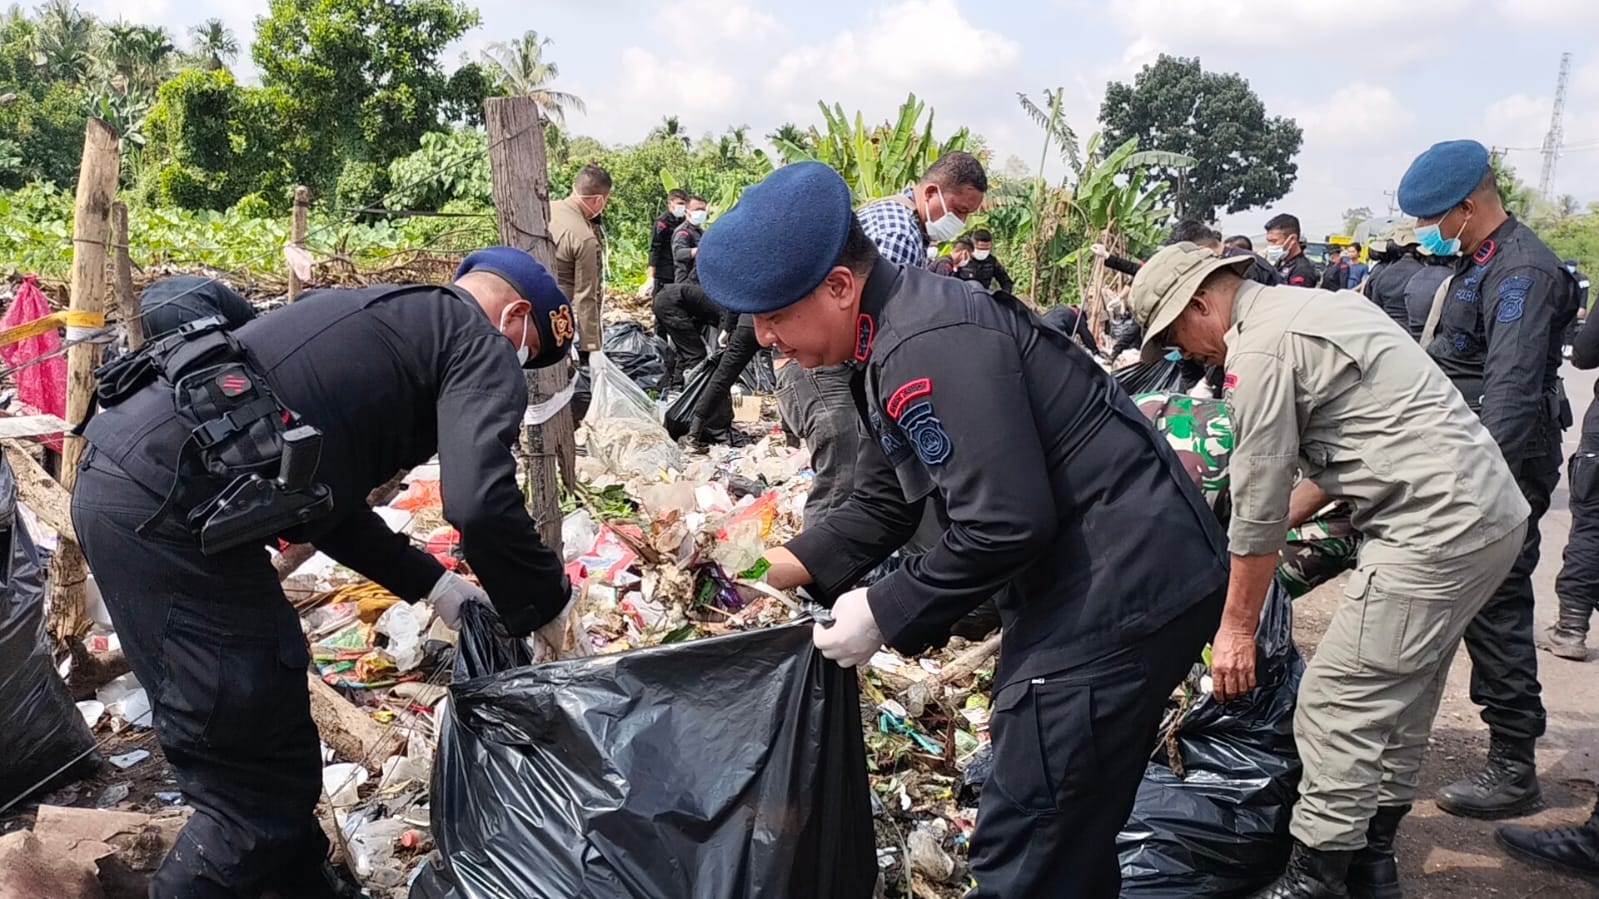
{"x": 1445, "y": 857}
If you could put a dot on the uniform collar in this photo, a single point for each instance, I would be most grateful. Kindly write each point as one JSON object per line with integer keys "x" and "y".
{"x": 1491, "y": 245}
{"x": 1243, "y": 302}
{"x": 880, "y": 286}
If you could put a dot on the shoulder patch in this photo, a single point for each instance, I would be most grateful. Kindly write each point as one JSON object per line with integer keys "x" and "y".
{"x": 660, "y": 225}
{"x": 907, "y": 392}
{"x": 1230, "y": 381}
{"x": 926, "y": 433}
{"x": 1485, "y": 252}
{"x": 1512, "y": 298}
{"x": 887, "y": 438}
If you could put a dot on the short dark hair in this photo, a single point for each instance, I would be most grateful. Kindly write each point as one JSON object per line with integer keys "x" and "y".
{"x": 591, "y": 180}
{"x": 969, "y": 243}
{"x": 859, "y": 253}
{"x": 699, "y": 199}
{"x": 1355, "y": 246}
{"x": 675, "y": 194}
{"x": 1241, "y": 242}
{"x": 982, "y": 235}
{"x": 957, "y": 169}
{"x": 1194, "y": 231}
{"x": 1286, "y": 223}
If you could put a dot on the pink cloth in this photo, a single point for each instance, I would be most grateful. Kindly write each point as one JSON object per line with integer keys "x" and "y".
{"x": 42, "y": 386}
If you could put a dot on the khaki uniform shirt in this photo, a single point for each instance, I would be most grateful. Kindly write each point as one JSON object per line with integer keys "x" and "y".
{"x": 1332, "y": 387}
{"x": 579, "y": 268}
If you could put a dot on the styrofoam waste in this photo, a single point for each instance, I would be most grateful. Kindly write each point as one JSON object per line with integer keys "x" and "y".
{"x": 92, "y": 711}
{"x": 126, "y": 702}
{"x": 578, "y": 532}
{"x": 402, "y": 624}
{"x": 343, "y": 782}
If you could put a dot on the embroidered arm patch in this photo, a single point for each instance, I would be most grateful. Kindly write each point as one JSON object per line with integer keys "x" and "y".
{"x": 926, "y": 433}
{"x": 911, "y": 390}
{"x": 1512, "y": 298}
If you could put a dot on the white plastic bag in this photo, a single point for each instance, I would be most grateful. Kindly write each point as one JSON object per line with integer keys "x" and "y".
{"x": 624, "y": 432}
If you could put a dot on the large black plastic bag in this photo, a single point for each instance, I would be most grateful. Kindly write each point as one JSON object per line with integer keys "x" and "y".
{"x": 1150, "y": 377}
{"x": 636, "y": 353}
{"x": 41, "y": 730}
{"x": 1221, "y": 828}
{"x": 715, "y": 769}
{"x": 680, "y": 414}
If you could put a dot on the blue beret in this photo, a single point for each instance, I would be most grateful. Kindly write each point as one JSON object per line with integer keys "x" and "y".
{"x": 552, "y": 312}
{"x": 778, "y": 242}
{"x": 171, "y": 303}
{"x": 1441, "y": 177}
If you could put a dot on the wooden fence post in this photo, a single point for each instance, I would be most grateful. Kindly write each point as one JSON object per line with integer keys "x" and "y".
{"x": 91, "y": 235}
{"x": 298, "y": 232}
{"x": 122, "y": 287}
{"x": 522, "y": 200}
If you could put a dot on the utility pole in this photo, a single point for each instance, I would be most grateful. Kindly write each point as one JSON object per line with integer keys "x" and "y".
{"x": 518, "y": 165}
{"x": 1556, "y": 135}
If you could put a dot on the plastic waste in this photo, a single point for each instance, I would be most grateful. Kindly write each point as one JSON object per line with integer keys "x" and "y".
{"x": 41, "y": 729}
{"x": 343, "y": 781}
{"x": 623, "y": 431}
{"x": 402, "y": 624}
{"x": 92, "y": 710}
{"x": 577, "y": 533}
{"x": 680, "y": 414}
{"x": 1219, "y": 825}
{"x": 1150, "y": 377}
{"x": 635, "y": 351}
{"x": 618, "y": 776}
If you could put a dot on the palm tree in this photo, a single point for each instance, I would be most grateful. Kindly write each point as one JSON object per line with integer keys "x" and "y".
{"x": 123, "y": 47}
{"x": 214, "y": 45}
{"x": 64, "y": 42}
{"x": 153, "y": 62}
{"x": 521, "y": 71}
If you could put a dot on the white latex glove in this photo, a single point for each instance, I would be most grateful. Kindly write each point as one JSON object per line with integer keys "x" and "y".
{"x": 452, "y": 591}
{"x": 853, "y": 638}
{"x": 647, "y": 289}
{"x": 1099, "y": 250}
{"x": 721, "y": 340}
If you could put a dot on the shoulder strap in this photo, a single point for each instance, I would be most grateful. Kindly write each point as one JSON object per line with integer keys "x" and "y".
{"x": 901, "y": 199}
{"x": 1435, "y": 313}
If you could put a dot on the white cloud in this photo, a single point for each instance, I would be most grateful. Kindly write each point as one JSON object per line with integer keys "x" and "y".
{"x": 711, "y": 20}
{"x": 1356, "y": 116}
{"x": 1563, "y": 13}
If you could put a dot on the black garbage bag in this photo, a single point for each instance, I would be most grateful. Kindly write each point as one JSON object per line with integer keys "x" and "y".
{"x": 582, "y": 392}
{"x": 1150, "y": 377}
{"x": 713, "y": 769}
{"x": 1219, "y": 828}
{"x": 680, "y": 414}
{"x": 43, "y": 738}
{"x": 637, "y": 353}
{"x": 1124, "y": 334}
{"x": 760, "y": 376}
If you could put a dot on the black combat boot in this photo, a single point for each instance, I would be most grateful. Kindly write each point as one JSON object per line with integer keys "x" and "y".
{"x": 1311, "y": 874}
{"x": 1573, "y": 851}
{"x": 1506, "y": 788}
{"x": 1566, "y": 642}
{"x": 320, "y": 881}
{"x": 1374, "y": 871}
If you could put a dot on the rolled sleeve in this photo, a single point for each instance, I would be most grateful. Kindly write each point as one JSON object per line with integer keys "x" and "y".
{"x": 1266, "y": 430}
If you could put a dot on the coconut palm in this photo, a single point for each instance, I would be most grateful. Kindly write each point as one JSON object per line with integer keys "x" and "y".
{"x": 64, "y": 42}
{"x": 520, "y": 69}
{"x": 214, "y": 45}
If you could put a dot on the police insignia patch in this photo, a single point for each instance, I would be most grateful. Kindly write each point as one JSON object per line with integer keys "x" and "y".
{"x": 909, "y": 391}
{"x": 561, "y": 324}
{"x": 1460, "y": 342}
{"x": 865, "y": 333}
{"x": 926, "y": 433}
{"x": 1512, "y": 298}
{"x": 887, "y": 438}
{"x": 1466, "y": 295}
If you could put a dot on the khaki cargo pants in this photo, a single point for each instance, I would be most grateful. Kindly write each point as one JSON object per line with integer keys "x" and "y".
{"x": 1368, "y": 698}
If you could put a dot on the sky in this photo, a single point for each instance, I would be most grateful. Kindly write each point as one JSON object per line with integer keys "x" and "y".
{"x": 1372, "y": 86}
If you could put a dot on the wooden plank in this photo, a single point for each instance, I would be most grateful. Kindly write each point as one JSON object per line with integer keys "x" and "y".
{"x": 39, "y": 492}
{"x": 30, "y": 426}
{"x": 127, "y": 304}
{"x": 299, "y": 229}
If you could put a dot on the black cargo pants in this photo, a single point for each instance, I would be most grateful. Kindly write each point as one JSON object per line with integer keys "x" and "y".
{"x": 715, "y": 406}
{"x": 1504, "y": 658}
{"x": 682, "y": 312}
{"x": 1069, "y": 753}
{"x": 220, "y": 652}
{"x": 1578, "y": 583}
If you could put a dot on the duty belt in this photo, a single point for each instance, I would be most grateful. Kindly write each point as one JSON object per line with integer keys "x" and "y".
{"x": 242, "y": 435}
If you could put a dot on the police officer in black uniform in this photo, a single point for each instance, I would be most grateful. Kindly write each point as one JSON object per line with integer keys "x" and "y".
{"x": 662, "y": 269}
{"x": 1499, "y": 322}
{"x": 1397, "y": 262}
{"x": 170, "y": 303}
{"x": 1285, "y": 249}
{"x": 1059, "y": 498}
{"x": 1577, "y": 586}
{"x": 382, "y": 379}
{"x": 686, "y": 239}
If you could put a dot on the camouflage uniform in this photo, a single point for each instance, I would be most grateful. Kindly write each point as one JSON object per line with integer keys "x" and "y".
{"x": 1201, "y": 433}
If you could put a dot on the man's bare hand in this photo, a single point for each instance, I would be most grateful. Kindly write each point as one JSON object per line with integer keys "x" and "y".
{"x": 1232, "y": 663}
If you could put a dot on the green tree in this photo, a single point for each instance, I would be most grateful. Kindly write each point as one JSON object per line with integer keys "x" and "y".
{"x": 64, "y": 42}
{"x": 355, "y": 81}
{"x": 1353, "y": 218}
{"x": 876, "y": 160}
{"x": 213, "y": 44}
{"x": 518, "y": 68}
{"x": 1244, "y": 158}
{"x": 210, "y": 145}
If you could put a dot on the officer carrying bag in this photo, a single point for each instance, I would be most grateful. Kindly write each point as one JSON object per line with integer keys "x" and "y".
{"x": 240, "y": 435}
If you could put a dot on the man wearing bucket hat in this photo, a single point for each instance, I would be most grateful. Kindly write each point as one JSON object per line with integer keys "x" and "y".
{"x": 1329, "y": 386}
{"x": 1496, "y": 329}
{"x": 1395, "y": 250}
{"x": 291, "y": 421}
{"x": 1045, "y": 467}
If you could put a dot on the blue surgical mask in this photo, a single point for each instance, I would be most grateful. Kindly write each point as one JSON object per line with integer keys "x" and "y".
{"x": 1431, "y": 238}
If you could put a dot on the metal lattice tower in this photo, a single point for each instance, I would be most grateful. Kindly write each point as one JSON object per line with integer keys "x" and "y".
{"x": 1556, "y": 135}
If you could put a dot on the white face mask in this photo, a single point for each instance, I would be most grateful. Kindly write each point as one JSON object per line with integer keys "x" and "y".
{"x": 1275, "y": 253}
{"x": 698, "y": 217}
{"x": 521, "y": 351}
{"x": 948, "y": 226}
{"x": 679, "y": 211}
{"x": 979, "y": 255}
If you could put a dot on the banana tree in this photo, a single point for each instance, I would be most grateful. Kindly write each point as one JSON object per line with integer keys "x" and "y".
{"x": 875, "y": 161}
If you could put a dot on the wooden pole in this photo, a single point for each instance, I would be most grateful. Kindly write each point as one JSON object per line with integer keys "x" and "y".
{"x": 522, "y": 200}
{"x": 91, "y": 235}
{"x": 297, "y": 234}
{"x": 127, "y": 306}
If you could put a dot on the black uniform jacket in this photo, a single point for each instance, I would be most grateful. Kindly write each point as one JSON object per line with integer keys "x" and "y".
{"x": 1059, "y": 496}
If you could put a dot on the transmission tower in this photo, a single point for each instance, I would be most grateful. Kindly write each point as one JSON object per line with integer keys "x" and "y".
{"x": 1552, "y": 140}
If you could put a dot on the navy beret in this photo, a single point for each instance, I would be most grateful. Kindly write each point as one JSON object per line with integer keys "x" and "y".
{"x": 778, "y": 242}
{"x": 1441, "y": 177}
{"x": 552, "y": 312}
{"x": 171, "y": 303}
